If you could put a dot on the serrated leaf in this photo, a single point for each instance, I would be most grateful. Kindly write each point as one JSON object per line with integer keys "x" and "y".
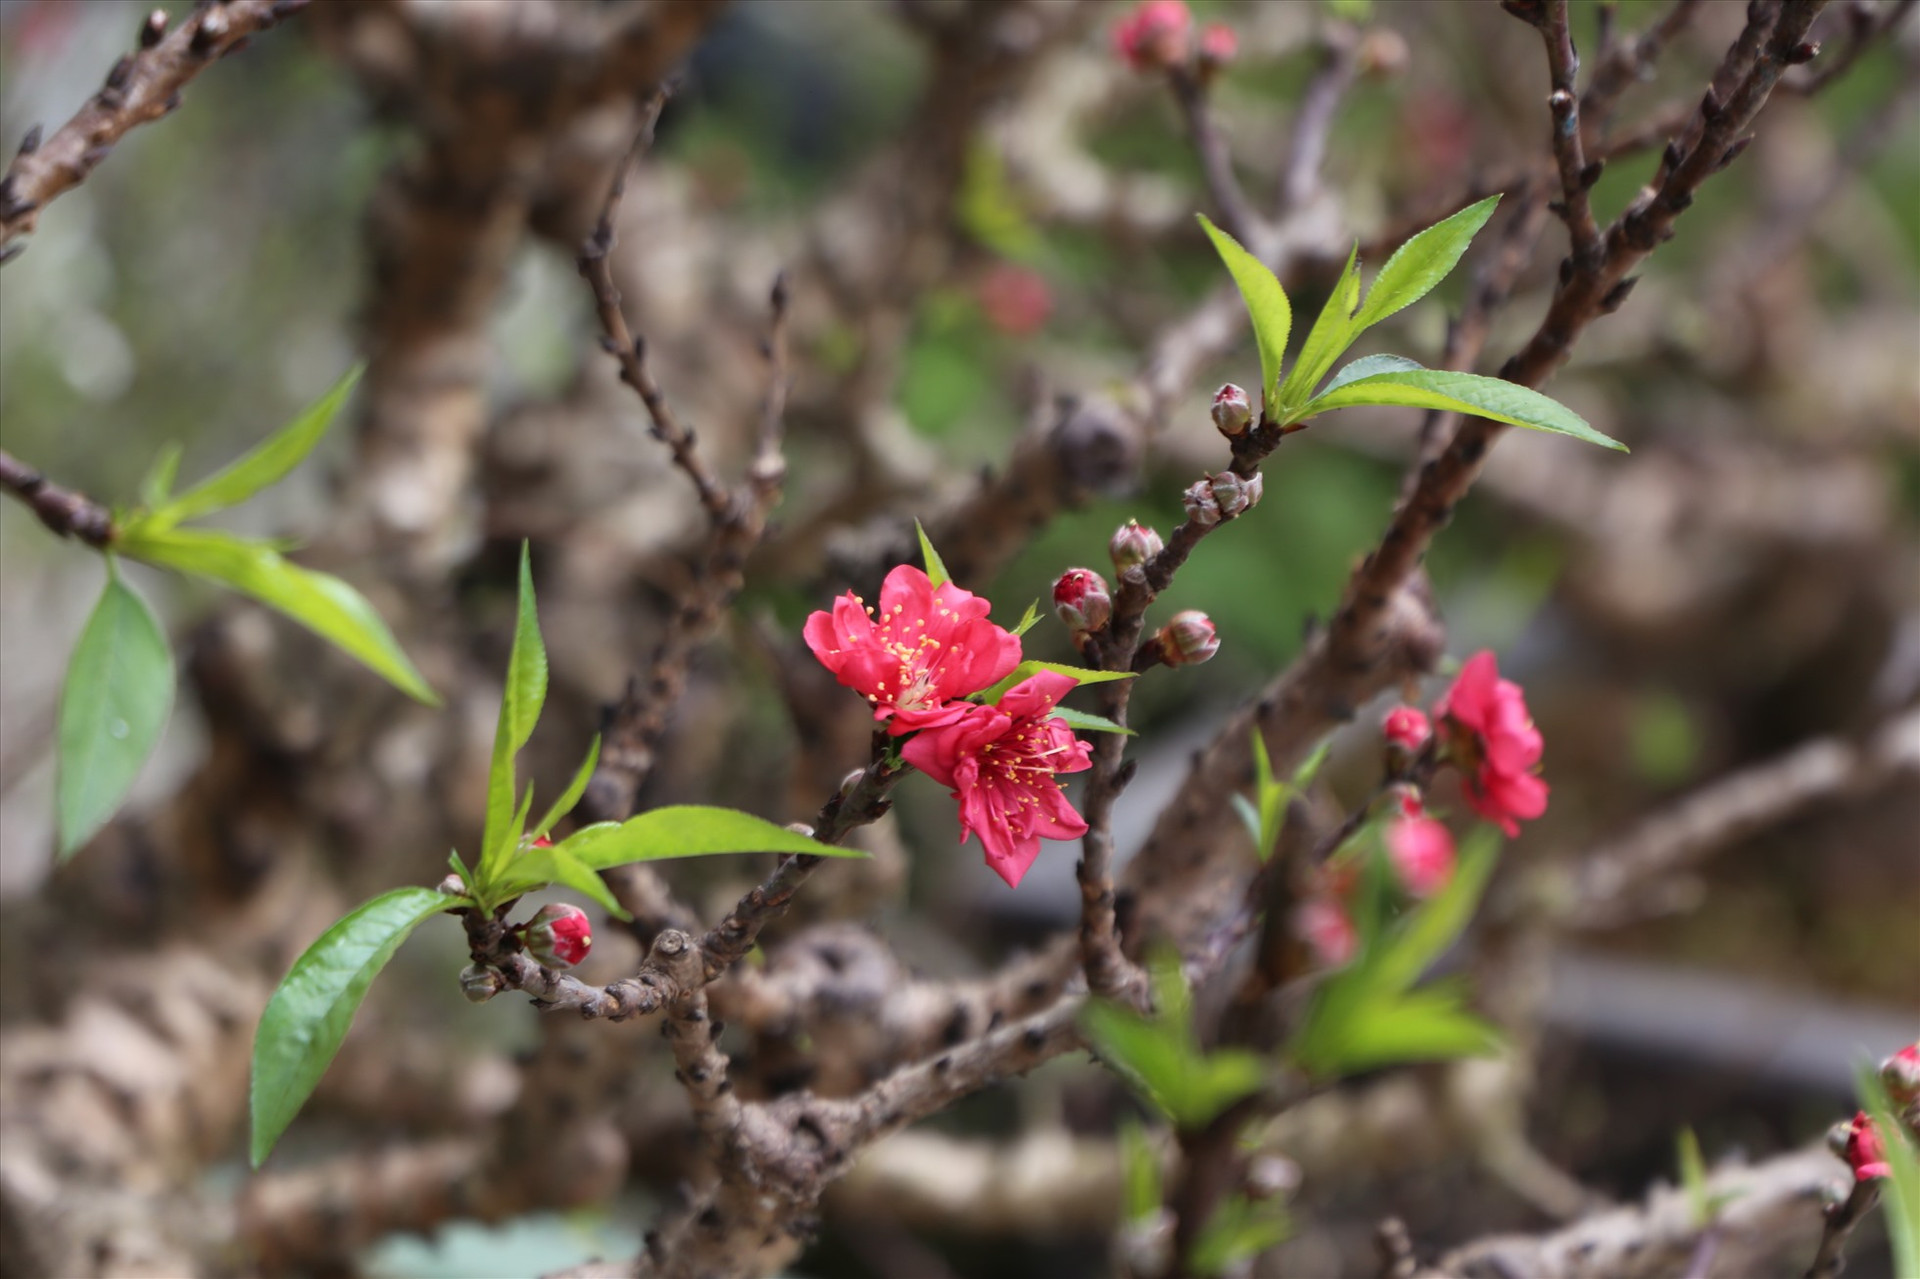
{"x": 158, "y": 481}
{"x": 690, "y": 830}
{"x": 1267, "y": 306}
{"x": 1028, "y": 669}
{"x": 310, "y": 1012}
{"x": 575, "y": 789}
{"x": 1088, "y": 723}
{"x": 1333, "y": 331}
{"x": 118, "y": 691}
{"x": 1469, "y": 393}
{"x": 521, "y": 697}
{"x": 1368, "y": 365}
{"x": 266, "y": 464}
{"x": 320, "y": 602}
{"x": 1422, "y": 262}
{"x": 936, "y": 567}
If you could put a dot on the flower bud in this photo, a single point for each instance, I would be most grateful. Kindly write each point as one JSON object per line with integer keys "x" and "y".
{"x": 1081, "y": 599}
{"x": 1133, "y": 544}
{"x": 1188, "y": 639}
{"x": 1232, "y": 494}
{"x": 1407, "y": 728}
{"x": 479, "y": 983}
{"x": 1323, "y": 925}
{"x": 452, "y": 886}
{"x": 1865, "y": 1152}
{"x": 1900, "y": 1075}
{"x": 1421, "y": 850}
{"x": 559, "y": 936}
{"x": 1219, "y": 44}
{"x": 1154, "y": 35}
{"x": 1202, "y": 509}
{"x": 1232, "y": 411}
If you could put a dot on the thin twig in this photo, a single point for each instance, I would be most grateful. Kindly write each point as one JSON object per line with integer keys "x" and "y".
{"x": 1838, "y": 1226}
{"x": 141, "y": 87}
{"x": 1867, "y": 26}
{"x": 66, "y": 512}
{"x": 1236, "y": 212}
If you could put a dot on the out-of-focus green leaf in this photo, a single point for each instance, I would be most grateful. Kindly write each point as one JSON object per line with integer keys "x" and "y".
{"x": 1440, "y": 920}
{"x": 1028, "y": 669}
{"x": 936, "y": 567}
{"x": 1421, "y": 1025}
{"x": 157, "y": 484}
{"x": 1140, "y": 1168}
{"x": 320, "y": 602}
{"x": 1333, "y": 331}
{"x": 119, "y": 689}
{"x": 1267, "y": 306}
{"x": 1693, "y": 1176}
{"x": 1239, "y": 1230}
{"x": 1901, "y": 1196}
{"x": 1422, "y": 262}
{"x": 989, "y": 208}
{"x": 1469, "y": 393}
{"x": 309, "y": 1014}
{"x": 266, "y": 464}
{"x": 1160, "y": 1056}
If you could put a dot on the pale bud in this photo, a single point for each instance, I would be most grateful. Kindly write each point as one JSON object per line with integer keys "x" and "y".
{"x": 1232, "y": 411}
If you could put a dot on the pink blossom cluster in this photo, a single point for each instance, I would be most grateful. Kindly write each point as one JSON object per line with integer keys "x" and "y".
{"x": 917, "y": 658}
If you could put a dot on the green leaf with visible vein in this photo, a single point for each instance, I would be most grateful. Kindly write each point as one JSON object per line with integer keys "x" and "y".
{"x": 118, "y": 691}
{"x": 520, "y": 701}
{"x": 320, "y": 602}
{"x": 1367, "y": 366}
{"x": 1333, "y": 331}
{"x": 267, "y": 464}
{"x": 689, "y": 830}
{"x": 309, "y": 1014}
{"x": 1422, "y": 262}
{"x": 936, "y": 567}
{"x": 1088, "y": 723}
{"x": 1028, "y": 669}
{"x": 1468, "y": 393}
{"x": 1267, "y": 307}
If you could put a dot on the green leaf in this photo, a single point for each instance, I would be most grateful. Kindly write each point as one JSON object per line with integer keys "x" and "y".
{"x": 158, "y": 482}
{"x": 520, "y": 701}
{"x": 1160, "y": 1056}
{"x": 936, "y": 567}
{"x": 1368, "y": 365}
{"x": 1438, "y": 921}
{"x": 1239, "y": 1230}
{"x": 575, "y": 789}
{"x": 1249, "y": 817}
{"x": 582, "y": 878}
{"x": 309, "y": 1014}
{"x": 1693, "y": 1176}
{"x": 320, "y": 602}
{"x": 1028, "y": 669}
{"x": 118, "y": 691}
{"x": 1027, "y": 619}
{"x": 1424, "y": 1025}
{"x": 266, "y": 464}
{"x": 1140, "y": 1172}
{"x": 689, "y": 830}
{"x": 1088, "y": 723}
{"x": 1422, "y": 262}
{"x": 1901, "y": 1195}
{"x": 1266, "y": 305}
{"x": 1468, "y": 393}
{"x": 1333, "y": 331}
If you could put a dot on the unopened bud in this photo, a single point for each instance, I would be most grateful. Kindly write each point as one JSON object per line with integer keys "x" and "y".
{"x": 1219, "y": 44}
{"x": 1407, "y": 728}
{"x": 1865, "y": 1152}
{"x": 1133, "y": 544}
{"x": 1188, "y": 639}
{"x": 1383, "y": 52}
{"x": 1081, "y": 599}
{"x": 1232, "y": 494}
{"x": 559, "y": 935}
{"x": 1232, "y": 411}
{"x": 1900, "y": 1075}
{"x": 800, "y": 828}
{"x": 479, "y": 983}
{"x": 1202, "y": 509}
{"x": 452, "y": 886}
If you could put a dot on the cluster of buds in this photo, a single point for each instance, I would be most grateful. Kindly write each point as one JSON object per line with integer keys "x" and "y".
{"x": 1232, "y": 411}
{"x": 1234, "y": 495}
{"x": 1188, "y": 639}
{"x": 1133, "y": 544}
{"x": 1202, "y": 508}
{"x": 1158, "y": 35}
{"x": 1082, "y": 601}
{"x": 558, "y": 936}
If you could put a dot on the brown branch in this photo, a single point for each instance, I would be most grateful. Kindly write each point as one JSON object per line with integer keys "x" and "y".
{"x": 1623, "y": 63}
{"x": 1576, "y": 175}
{"x": 1236, "y": 212}
{"x": 142, "y": 87}
{"x": 1839, "y": 1223}
{"x": 1867, "y": 26}
{"x": 66, "y": 512}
